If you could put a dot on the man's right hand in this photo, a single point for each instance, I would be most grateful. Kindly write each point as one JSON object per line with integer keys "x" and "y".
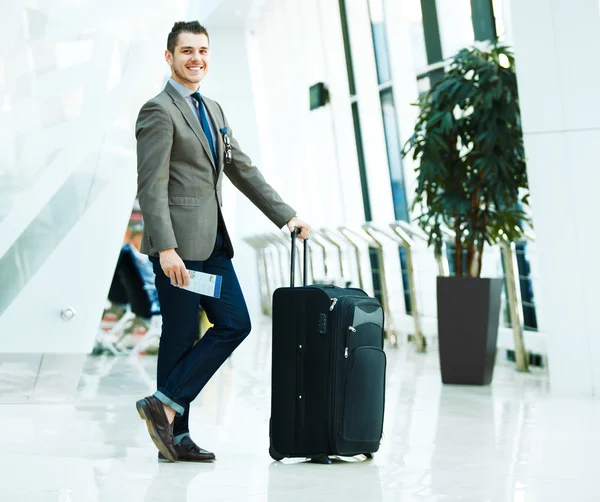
{"x": 174, "y": 268}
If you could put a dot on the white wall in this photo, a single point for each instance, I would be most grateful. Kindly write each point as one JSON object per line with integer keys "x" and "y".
{"x": 287, "y": 58}
{"x": 71, "y": 88}
{"x": 230, "y": 83}
{"x": 556, "y": 48}
{"x": 297, "y": 44}
{"x": 73, "y": 77}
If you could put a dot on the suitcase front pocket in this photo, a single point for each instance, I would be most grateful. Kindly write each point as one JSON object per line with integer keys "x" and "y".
{"x": 366, "y": 327}
{"x": 364, "y": 396}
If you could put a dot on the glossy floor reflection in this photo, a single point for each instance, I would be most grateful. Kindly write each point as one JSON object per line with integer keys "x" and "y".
{"x": 509, "y": 442}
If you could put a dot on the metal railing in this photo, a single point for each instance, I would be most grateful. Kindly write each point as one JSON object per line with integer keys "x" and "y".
{"x": 390, "y": 330}
{"x": 405, "y": 239}
{"x": 349, "y": 246}
{"x": 345, "y": 232}
{"x": 259, "y": 244}
{"x": 515, "y": 302}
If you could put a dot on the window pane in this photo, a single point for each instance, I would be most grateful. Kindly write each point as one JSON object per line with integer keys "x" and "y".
{"x": 499, "y": 15}
{"x": 362, "y": 169}
{"x": 379, "y": 41}
{"x": 417, "y": 34}
{"x": 392, "y": 140}
{"x": 347, "y": 49}
{"x": 423, "y": 85}
{"x": 456, "y": 26}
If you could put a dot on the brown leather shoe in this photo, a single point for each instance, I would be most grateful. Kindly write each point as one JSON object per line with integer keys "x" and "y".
{"x": 161, "y": 431}
{"x": 188, "y": 451}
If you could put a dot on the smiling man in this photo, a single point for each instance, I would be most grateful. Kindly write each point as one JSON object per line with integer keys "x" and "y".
{"x": 184, "y": 146}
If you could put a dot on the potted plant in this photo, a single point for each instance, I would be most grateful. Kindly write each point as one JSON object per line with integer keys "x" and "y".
{"x": 472, "y": 184}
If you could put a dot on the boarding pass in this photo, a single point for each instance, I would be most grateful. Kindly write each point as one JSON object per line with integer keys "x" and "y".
{"x": 204, "y": 284}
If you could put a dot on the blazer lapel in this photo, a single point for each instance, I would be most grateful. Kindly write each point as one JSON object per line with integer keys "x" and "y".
{"x": 191, "y": 119}
{"x": 217, "y": 124}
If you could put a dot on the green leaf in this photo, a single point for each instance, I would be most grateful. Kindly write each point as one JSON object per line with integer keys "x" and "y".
{"x": 472, "y": 173}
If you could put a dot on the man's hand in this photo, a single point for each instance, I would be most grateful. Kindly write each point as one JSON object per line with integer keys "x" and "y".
{"x": 174, "y": 268}
{"x": 301, "y": 225}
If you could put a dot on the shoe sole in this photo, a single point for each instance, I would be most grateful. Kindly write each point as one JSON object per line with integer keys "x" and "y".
{"x": 144, "y": 412}
{"x": 207, "y": 461}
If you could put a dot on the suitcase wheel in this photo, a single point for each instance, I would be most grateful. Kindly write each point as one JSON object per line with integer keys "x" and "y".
{"x": 274, "y": 455}
{"x": 321, "y": 459}
{"x": 369, "y": 456}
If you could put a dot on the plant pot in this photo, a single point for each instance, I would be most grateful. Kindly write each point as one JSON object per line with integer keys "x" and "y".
{"x": 468, "y": 316}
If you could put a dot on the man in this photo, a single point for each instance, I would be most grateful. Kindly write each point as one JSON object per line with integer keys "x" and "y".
{"x": 184, "y": 146}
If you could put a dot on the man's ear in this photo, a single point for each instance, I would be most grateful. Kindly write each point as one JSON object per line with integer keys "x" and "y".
{"x": 168, "y": 57}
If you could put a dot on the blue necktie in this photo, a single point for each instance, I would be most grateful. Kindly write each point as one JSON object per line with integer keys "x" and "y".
{"x": 204, "y": 123}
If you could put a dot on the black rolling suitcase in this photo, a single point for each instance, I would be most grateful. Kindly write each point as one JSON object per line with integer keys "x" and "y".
{"x": 328, "y": 371}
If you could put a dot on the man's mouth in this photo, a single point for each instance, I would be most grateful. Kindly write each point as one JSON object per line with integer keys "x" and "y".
{"x": 195, "y": 69}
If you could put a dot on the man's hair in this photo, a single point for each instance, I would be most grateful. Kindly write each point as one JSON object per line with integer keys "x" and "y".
{"x": 181, "y": 27}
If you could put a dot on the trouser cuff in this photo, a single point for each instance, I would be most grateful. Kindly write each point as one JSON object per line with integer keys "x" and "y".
{"x": 165, "y": 399}
{"x": 177, "y": 439}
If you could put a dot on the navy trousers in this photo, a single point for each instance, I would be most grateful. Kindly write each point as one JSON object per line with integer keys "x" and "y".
{"x": 184, "y": 366}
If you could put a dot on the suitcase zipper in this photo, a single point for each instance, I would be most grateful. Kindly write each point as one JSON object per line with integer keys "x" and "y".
{"x": 351, "y": 329}
{"x": 337, "y": 321}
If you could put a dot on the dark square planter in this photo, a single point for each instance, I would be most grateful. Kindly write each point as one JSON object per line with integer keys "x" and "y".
{"x": 468, "y": 317}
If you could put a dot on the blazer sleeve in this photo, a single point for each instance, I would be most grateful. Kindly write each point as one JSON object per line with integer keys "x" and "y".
{"x": 154, "y": 134}
{"x": 248, "y": 179}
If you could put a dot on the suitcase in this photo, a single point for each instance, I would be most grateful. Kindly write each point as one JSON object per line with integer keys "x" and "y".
{"x": 328, "y": 371}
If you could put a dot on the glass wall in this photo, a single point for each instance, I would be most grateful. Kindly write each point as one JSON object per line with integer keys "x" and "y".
{"x": 417, "y": 34}
{"x": 448, "y": 26}
{"x": 382, "y": 58}
{"x": 355, "y": 112}
{"x": 388, "y": 109}
{"x": 390, "y": 127}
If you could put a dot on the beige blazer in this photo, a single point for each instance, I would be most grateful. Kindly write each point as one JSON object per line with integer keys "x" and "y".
{"x": 179, "y": 187}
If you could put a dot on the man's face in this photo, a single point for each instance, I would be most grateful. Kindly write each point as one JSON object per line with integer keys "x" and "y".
{"x": 190, "y": 61}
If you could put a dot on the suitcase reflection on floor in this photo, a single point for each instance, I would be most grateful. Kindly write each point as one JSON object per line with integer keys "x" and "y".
{"x": 346, "y": 479}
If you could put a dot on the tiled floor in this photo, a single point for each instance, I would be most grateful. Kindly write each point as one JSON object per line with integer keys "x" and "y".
{"x": 508, "y": 442}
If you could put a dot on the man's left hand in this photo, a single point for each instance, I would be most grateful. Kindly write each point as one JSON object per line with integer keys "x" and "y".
{"x": 300, "y": 225}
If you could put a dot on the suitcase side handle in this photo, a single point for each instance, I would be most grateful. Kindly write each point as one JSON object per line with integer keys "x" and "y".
{"x": 295, "y": 233}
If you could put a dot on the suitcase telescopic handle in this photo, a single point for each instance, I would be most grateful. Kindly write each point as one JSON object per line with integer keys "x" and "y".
{"x": 293, "y": 268}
